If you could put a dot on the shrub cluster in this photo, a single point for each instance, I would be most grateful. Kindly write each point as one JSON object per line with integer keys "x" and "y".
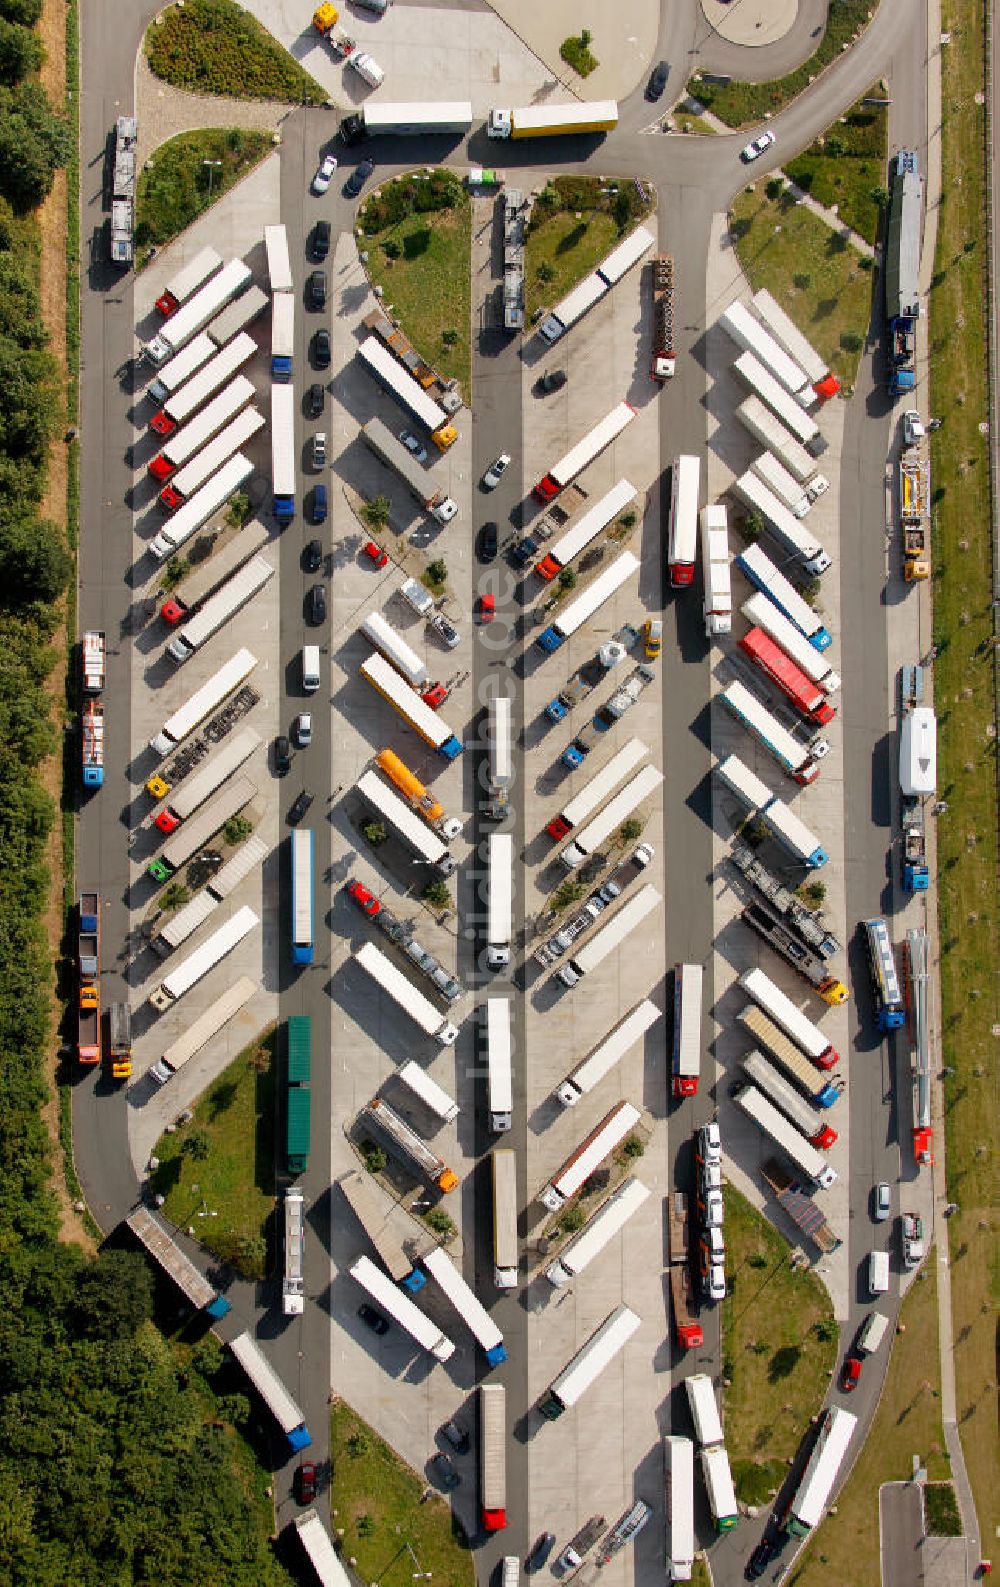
{"x": 215, "y": 47}
{"x": 411, "y": 195}
{"x": 174, "y": 188}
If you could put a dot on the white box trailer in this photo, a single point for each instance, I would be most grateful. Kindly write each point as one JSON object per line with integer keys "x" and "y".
{"x": 608, "y": 1052}
{"x": 918, "y": 753}
{"x": 678, "y": 1472}
{"x": 181, "y": 367}
{"x": 783, "y": 484}
{"x": 584, "y": 530}
{"x": 597, "y": 788}
{"x": 755, "y": 563}
{"x": 573, "y": 307}
{"x": 791, "y": 535}
{"x": 391, "y": 375}
{"x": 767, "y": 1078}
{"x": 501, "y": 734}
{"x": 589, "y": 1155}
{"x": 272, "y": 1391}
{"x": 283, "y": 458}
{"x": 187, "y": 280}
{"x": 279, "y": 269}
{"x": 744, "y": 783}
{"x": 589, "y": 603}
{"x": 768, "y": 429}
{"x": 595, "y": 1236}
{"x": 719, "y": 1488}
{"x": 427, "y": 724}
{"x": 413, "y": 120}
{"x": 204, "y": 959}
{"x": 235, "y": 594}
{"x": 194, "y": 514}
{"x": 184, "y": 404}
{"x": 789, "y": 1018}
{"x": 231, "y": 439}
{"x": 405, "y": 822}
{"x": 246, "y": 859}
{"x": 203, "y": 702}
{"x": 195, "y": 314}
{"x": 500, "y": 1092}
{"x": 188, "y": 440}
{"x": 395, "y": 649}
{"x": 779, "y": 399}
{"x": 704, "y": 1410}
{"x": 394, "y": 983}
{"x": 718, "y": 596}
{"x": 500, "y": 881}
{"x": 752, "y": 337}
{"x": 471, "y": 1310}
{"x": 589, "y": 841}
{"x": 401, "y": 1309}
{"x": 430, "y": 1093}
{"x": 203, "y": 1029}
{"x": 419, "y": 481}
{"x": 589, "y": 1362}
{"x": 815, "y": 1488}
{"x": 793, "y": 1143}
{"x": 611, "y": 936}
{"x": 248, "y": 307}
{"x": 793, "y": 834}
{"x": 761, "y": 612}
{"x": 787, "y": 334}
{"x": 794, "y": 757}
{"x": 620, "y": 260}
{"x": 322, "y": 1555}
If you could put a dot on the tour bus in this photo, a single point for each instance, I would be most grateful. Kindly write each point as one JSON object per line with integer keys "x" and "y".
{"x": 685, "y": 480}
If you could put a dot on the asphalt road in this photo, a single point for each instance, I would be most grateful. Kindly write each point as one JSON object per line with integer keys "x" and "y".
{"x": 902, "y": 1534}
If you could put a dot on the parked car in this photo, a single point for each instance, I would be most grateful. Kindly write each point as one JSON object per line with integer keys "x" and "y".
{"x": 414, "y": 445}
{"x": 487, "y": 608}
{"x": 317, "y": 604}
{"x": 319, "y": 449}
{"x": 356, "y": 181}
{"x": 319, "y": 243}
{"x": 305, "y": 1482}
{"x": 568, "y": 1560}
{"x": 767, "y": 1550}
{"x": 320, "y": 350}
{"x": 444, "y": 1471}
{"x": 304, "y": 729}
{"x": 552, "y": 380}
{"x": 324, "y": 175}
{"x": 913, "y": 1239}
{"x": 445, "y": 630}
{"x": 711, "y": 1176}
{"x": 455, "y": 1434}
{"x": 366, "y": 901}
{"x": 317, "y": 289}
{"x": 850, "y": 1375}
{"x": 299, "y": 808}
{"x": 496, "y": 471}
{"x": 883, "y": 1202}
{"x": 416, "y": 596}
{"x": 711, "y": 1209}
{"x": 489, "y": 541}
{"x": 658, "y": 80}
{"x": 318, "y": 505}
{"x": 540, "y": 1551}
{"x": 282, "y": 755}
{"x": 373, "y": 1319}
{"x": 313, "y": 556}
{"x": 755, "y": 148}
{"x": 375, "y": 553}
{"x": 315, "y": 399}
{"x": 711, "y": 1246}
{"x": 652, "y": 637}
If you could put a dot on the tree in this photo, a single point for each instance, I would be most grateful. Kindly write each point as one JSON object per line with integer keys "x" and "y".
{"x": 438, "y": 1220}
{"x": 572, "y": 1220}
{"x": 31, "y": 407}
{"x": 774, "y": 188}
{"x": 449, "y": 337}
{"x": 27, "y": 12}
{"x": 437, "y": 895}
{"x": 236, "y": 830}
{"x": 34, "y": 562}
{"x": 34, "y": 141}
{"x": 567, "y": 579}
{"x": 633, "y": 1147}
{"x": 21, "y": 52}
{"x": 375, "y": 1158}
{"x": 802, "y": 279}
{"x": 239, "y": 510}
{"x": 753, "y": 526}
{"x": 630, "y": 831}
{"x": 374, "y": 833}
{"x": 567, "y": 893}
{"x": 546, "y": 272}
{"x": 176, "y": 569}
{"x": 197, "y": 1146}
{"x": 114, "y": 1295}
{"x": 376, "y": 512}
{"x": 437, "y": 571}
{"x": 175, "y": 896}
{"x": 879, "y": 196}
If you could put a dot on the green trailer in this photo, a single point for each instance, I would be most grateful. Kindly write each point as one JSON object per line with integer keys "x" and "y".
{"x": 299, "y": 1050}
{"x": 297, "y": 1138}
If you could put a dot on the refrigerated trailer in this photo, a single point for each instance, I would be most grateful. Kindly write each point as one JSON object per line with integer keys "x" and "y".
{"x": 394, "y": 983}
{"x": 493, "y": 1456}
{"x": 793, "y": 537}
{"x": 792, "y": 1142}
{"x": 193, "y": 792}
{"x": 196, "y": 312}
{"x": 247, "y": 308}
{"x": 752, "y": 337}
{"x": 208, "y": 576}
{"x": 784, "y": 1095}
{"x": 421, "y": 839}
{"x": 918, "y": 753}
{"x": 395, "y": 649}
{"x": 597, "y": 788}
{"x": 584, "y": 530}
{"x": 609, "y": 1220}
{"x": 761, "y": 612}
{"x": 685, "y": 1065}
{"x": 203, "y": 427}
{"x": 392, "y": 377}
{"x": 704, "y": 1410}
{"x": 194, "y": 514}
{"x": 503, "y": 1173}
{"x": 589, "y": 1155}
{"x": 583, "y": 454}
{"x": 408, "y": 1145}
{"x": 601, "y": 828}
{"x": 608, "y": 1052}
{"x": 401, "y": 1309}
{"x": 203, "y": 959}
{"x": 815, "y": 1488}
{"x": 586, "y": 605}
{"x": 761, "y": 571}
{"x": 418, "y": 480}
{"x": 790, "y": 1019}
{"x": 678, "y": 1470}
{"x": 180, "y": 368}
{"x": 279, "y": 269}
{"x": 768, "y": 429}
{"x": 682, "y": 525}
{"x": 193, "y": 1286}
{"x": 322, "y": 1555}
{"x": 203, "y": 1029}
{"x": 787, "y": 334}
{"x": 283, "y": 458}
{"x": 500, "y": 885}
{"x": 272, "y": 1391}
{"x": 471, "y": 1310}
{"x": 719, "y": 1487}
{"x": 717, "y": 601}
{"x": 188, "y": 280}
{"x": 818, "y": 1087}
{"x": 501, "y": 736}
{"x": 610, "y": 937}
{"x": 426, "y": 723}
{"x": 203, "y": 702}
{"x": 234, "y": 595}
{"x": 211, "y": 377}
{"x": 795, "y": 759}
{"x": 428, "y": 1091}
{"x": 744, "y": 783}
{"x": 608, "y": 273}
{"x": 805, "y": 695}
{"x": 374, "y": 1214}
{"x": 589, "y": 1362}
{"x": 500, "y": 1096}
{"x": 779, "y": 399}
{"x": 235, "y": 435}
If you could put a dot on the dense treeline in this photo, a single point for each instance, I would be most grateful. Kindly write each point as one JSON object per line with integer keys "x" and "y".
{"x": 118, "y": 1464}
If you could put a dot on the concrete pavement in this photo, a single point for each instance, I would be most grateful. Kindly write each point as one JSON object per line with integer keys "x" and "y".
{"x": 752, "y": 24}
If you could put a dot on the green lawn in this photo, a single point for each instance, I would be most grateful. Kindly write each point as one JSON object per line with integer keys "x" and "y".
{"x": 575, "y": 221}
{"x": 222, "y": 1162}
{"x": 377, "y": 1501}
{"x": 964, "y": 681}
{"x": 739, "y": 104}
{"x": 174, "y": 184}
{"x": 215, "y": 47}
{"x": 427, "y": 285}
{"x": 846, "y": 166}
{"x": 817, "y": 276}
{"x": 907, "y": 1423}
{"x": 776, "y": 1362}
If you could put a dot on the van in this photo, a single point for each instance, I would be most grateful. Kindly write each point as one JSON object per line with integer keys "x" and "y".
{"x": 878, "y": 1273}
{"x": 379, "y": 7}
{"x": 318, "y": 506}
{"x": 872, "y": 1334}
{"x": 511, "y": 1571}
{"x": 310, "y": 668}
{"x": 367, "y": 69}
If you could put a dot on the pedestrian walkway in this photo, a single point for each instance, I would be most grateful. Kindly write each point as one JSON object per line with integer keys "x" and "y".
{"x": 164, "y": 111}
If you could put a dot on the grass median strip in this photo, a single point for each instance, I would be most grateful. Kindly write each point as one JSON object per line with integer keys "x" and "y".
{"x": 186, "y": 175}
{"x": 575, "y": 223}
{"x": 215, "y": 47}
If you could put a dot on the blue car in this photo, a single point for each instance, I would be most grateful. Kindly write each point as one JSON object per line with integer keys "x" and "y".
{"x": 318, "y": 505}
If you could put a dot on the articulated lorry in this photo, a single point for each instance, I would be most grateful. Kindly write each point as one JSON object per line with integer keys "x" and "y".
{"x": 663, "y": 359}
{"x": 761, "y": 612}
{"x": 773, "y": 1084}
{"x": 210, "y": 499}
{"x": 762, "y": 573}
{"x": 782, "y": 671}
{"x": 821, "y": 1089}
{"x": 195, "y": 313}
{"x": 751, "y": 336}
{"x": 500, "y": 1090}
{"x": 283, "y": 455}
{"x": 182, "y": 486}
{"x": 584, "y": 452}
{"x": 418, "y": 837}
{"x": 190, "y": 794}
{"x": 598, "y": 788}
{"x": 687, "y": 1329}
{"x": 500, "y": 883}
{"x": 790, "y": 1019}
{"x": 471, "y": 1310}
{"x": 596, "y": 1235}
{"x": 585, "y": 528}
{"x": 790, "y": 534}
{"x": 584, "y": 607}
{"x": 282, "y": 337}
{"x": 407, "y": 119}
{"x": 374, "y": 1212}
{"x": 768, "y": 429}
{"x": 394, "y": 983}
{"x": 596, "y": 949}
{"x": 589, "y": 1155}
{"x": 92, "y": 744}
{"x": 401, "y": 1309}
{"x": 236, "y": 593}
{"x": 793, "y": 1143}
{"x": 589, "y": 1362}
{"x": 394, "y": 648}
{"x": 390, "y": 374}
{"x": 761, "y": 383}
{"x": 182, "y": 405}
{"x": 203, "y": 959}
{"x": 424, "y": 721}
{"x": 190, "y": 439}
{"x": 419, "y": 797}
{"x": 608, "y": 273}
{"x": 195, "y": 833}
{"x": 407, "y": 1145}
{"x": 588, "y": 841}
{"x": 188, "y": 280}
{"x": 608, "y": 1053}
{"x": 718, "y": 595}
{"x": 788, "y": 336}
{"x": 784, "y": 825}
{"x": 552, "y": 120}
{"x": 185, "y": 922}
{"x": 417, "y": 479}
{"x": 799, "y": 761}
{"x": 204, "y": 1029}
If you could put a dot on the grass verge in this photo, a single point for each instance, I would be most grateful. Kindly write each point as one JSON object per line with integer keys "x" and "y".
{"x": 779, "y": 1344}
{"x": 739, "y": 104}
{"x": 908, "y": 1422}
{"x": 964, "y": 689}
{"x": 575, "y": 221}
{"x": 817, "y": 276}
{"x": 376, "y": 1499}
{"x": 217, "y": 1172}
{"x": 417, "y": 231}
{"x": 215, "y": 47}
{"x": 845, "y": 167}
{"x": 176, "y": 185}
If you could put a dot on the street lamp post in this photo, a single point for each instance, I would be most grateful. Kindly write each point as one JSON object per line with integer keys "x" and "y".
{"x": 213, "y": 166}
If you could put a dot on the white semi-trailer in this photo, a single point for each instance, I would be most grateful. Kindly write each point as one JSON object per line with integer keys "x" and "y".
{"x": 678, "y": 1471}
{"x": 194, "y": 514}
{"x": 395, "y": 649}
{"x": 761, "y": 612}
{"x": 394, "y": 983}
{"x": 610, "y": 937}
{"x": 401, "y": 1309}
{"x": 782, "y": 523}
{"x": 793, "y": 1143}
{"x": 498, "y": 1055}
{"x": 608, "y": 1052}
{"x": 231, "y": 439}
{"x": 787, "y": 334}
{"x": 589, "y": 1155}
{"x": 768, "y": 429}
{"x": 597, "y": 788}
{"x": 195, "y": 314}
{"x": 203, "y": 959}
{"x": 218, "y": 372}
{"x": 471, "y": 1310}
{"x": 789, "y": 1018}
{"x": 592, "y": 1239}
{"x": 782, "y": 483}
{"x": 234, "y": 595}
{"x": 752, "y": 337}
{"x": 779, "y": 399}
{"x": 603, "y": 825}
{"x": 588, "y": 604}
{"x": 589, "y": 1362}
{"x": 204, "y": 1029}
{"x": 500, "y": 881}
{"x": 718, "y": 596}
{"x": 415, "y": 833}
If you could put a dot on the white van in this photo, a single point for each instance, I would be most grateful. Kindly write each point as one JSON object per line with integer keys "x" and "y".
{"x": 367, "y": 68}
{"x": 878, "y": 1273}
{"x": 872, "y": 1334}
{"x": 310, "y": 668}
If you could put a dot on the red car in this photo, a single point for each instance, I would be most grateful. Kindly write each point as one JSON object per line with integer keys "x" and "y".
{"x": 487, "y": 608}
{"x": 305, "y": 1482}
{"x": 851, "y": 1375}
{"x": 363, "y": 898}
{"x": 435, "y": 696}
{"x": 378, "y": 556}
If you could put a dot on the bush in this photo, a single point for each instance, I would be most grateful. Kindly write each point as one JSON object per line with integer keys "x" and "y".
{"x": 633, "y": 1148}
{"x": 567, "y": 893}
{"x": 437, "y": 895}
{"x": 567, "y": 579}
{"x": 376, "y": 512}
{"x": 375, "y": 1158}
{"x": 775, "y": 187}
{"x": 576, "y": 52}
{"x": 437, "y": 571}
{"x": 752, "y": 526}
{"x": 438, "y": 1220}
{"x": 941, "y": 1510}
{"x": 802, "y": 279}
{"x": 27, "y": 12}
{"x": 851, "y": 342}
{"x": 176, "y": 569}
{"x": 236, "y": 830}
{"x": 546, "y": 271}
{"x": 215, "y": 47}
{"x": 630, "y": 831}
{"x": 572, "y": 1220}
{"x": 374, "y": 833}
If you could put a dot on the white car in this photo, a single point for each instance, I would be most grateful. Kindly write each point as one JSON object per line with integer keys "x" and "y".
{"x": 324, "y": 176}
{"x": 756, "y": 148}
{"x": 714, "y": 1281}
{"x": 913, "y": 429}
{"x": 304, "y": 729}
{"x": 447, "y": 631}
{"x": 414, "y": 445}
{"x": 319, "y": 449}
{"x": 496, "y": 471}
{"x": 710, "y": 1143}
{"x": 713, "y": 1246}
{"x": 712, "y": 1209}
{"x": 883, "y": 1202}
{"x": 416, "y": 596}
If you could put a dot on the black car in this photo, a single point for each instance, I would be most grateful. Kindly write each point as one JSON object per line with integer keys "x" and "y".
{"x": 373, "y": 1319}
{"x": 552, "y": 380}
{"x": 317, "y": 289}
{"x": 299, "y": 808}
{"x": 316, "y": 604}
{"x": 767, "y": 1550}
{"x": 356, "y": 181}
{"x": 319, "y": 244}
{"x": 541, "y": 1549}
{"x": 321, "y": 350}
{"x": 313, "y": 556}
{"x": 315, "y": 399}
{"x": 444, "y": 1471}
{"x": 489, "y": 540}
{"x": 454, "y": 1434}
{"x": 318, "y": 505}
{"x": 282, "y": 754}
{"x": 658, "y": 80}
